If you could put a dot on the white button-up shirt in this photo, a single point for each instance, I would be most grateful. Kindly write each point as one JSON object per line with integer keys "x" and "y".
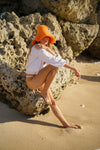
{"x": 37, "y": 57}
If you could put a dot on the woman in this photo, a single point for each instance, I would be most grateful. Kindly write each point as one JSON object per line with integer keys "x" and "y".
{"x": 41, "y": 68}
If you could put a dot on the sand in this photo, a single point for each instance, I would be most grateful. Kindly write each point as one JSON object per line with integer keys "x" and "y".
{"x": 80, "y": 104}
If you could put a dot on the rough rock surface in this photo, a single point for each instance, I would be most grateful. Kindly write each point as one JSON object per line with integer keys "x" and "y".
{"x": 15, "y": 35}
{"x": 14, "y": 89}
{"x": 9, "y": 6}
{"x": 79, "y": 36}
{"x": 74, "y": 11}
{"x": 94, "y": 48}
{"x": 30, "y": 6}
{"x": 86, "y": 12}
{"x": 75, "y": 30}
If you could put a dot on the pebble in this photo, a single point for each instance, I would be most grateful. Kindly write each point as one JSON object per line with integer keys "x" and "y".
{"x": 98, "y": 74}
{"x": 82, "y": 105}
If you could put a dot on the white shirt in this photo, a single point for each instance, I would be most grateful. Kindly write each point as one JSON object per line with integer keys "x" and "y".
{"x": 37, "y": 57}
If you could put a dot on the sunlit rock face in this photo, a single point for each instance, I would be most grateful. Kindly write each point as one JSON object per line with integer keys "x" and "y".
{"x": 15, "y": 36}
{"x": 75, "y": 26}
{"x": 74, "y": 11}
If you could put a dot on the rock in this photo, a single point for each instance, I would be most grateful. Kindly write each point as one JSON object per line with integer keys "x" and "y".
{"x": 14, "y": 89}
{"x": 17, "y": 33}
{"x": 15, "y": 37}
{"x": 30, "y": 6}
{"x": 74, "y": 11}
{"x": 61, "y": 44}
{"x": 79, "y": 36}
{"x": 94, "y": 48}
{"x": 23, "y": 7}
{"x": 8, "y": 6}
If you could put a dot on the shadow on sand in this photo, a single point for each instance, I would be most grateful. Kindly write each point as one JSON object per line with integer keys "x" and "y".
{"x": 91, "y": 78}
{"x": 9, "y": 115}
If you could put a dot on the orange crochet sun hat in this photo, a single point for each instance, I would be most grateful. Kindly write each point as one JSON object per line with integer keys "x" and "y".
{"x": 42, "y": 32}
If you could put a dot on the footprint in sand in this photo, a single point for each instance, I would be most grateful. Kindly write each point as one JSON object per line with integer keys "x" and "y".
{"x": 72, "y": 131}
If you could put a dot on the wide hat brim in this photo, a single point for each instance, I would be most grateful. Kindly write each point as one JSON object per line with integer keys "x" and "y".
{"x": 52, "y": 39}
{"x": 42, "y": 32}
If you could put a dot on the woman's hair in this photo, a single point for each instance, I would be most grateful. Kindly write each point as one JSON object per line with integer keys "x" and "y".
{"x": 37, "y": 42}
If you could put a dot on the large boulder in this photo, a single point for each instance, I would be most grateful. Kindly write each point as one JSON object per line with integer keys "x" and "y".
{"x": 17, "y": 94}
{"x": 31, "y": 6}
{"x": 79, "y": 36}
{"x": 94, "y": 48}
{"x": 9, "y": 6}
{"x": 15, "y": 37}
{"x": 74, "y": 11}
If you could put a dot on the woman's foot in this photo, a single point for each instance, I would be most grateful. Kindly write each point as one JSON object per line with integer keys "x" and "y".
{"x": 72, "y": 126}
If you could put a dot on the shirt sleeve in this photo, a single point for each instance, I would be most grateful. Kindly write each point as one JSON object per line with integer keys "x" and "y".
{"x": 46, "y": 56}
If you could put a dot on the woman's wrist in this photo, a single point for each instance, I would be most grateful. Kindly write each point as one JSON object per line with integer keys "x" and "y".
{"x": 69, "y": 67}
{"x": 74, "y": 69}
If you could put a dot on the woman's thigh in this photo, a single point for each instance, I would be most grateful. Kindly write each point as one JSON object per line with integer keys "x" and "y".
{"x": 40, "y": 78}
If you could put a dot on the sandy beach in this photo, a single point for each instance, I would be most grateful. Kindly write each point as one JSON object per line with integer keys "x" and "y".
{"x": 80, "y": 104}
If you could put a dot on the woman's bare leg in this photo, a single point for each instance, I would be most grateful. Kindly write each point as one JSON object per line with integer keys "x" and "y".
{"x": 57, "y": 112}
{"x": 45, "y": 91}
{"x": 45, "y": 76}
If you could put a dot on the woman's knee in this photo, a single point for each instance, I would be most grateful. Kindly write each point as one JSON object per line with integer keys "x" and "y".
{"x": 53, "y": 68}
{"x": 41, "y": 87}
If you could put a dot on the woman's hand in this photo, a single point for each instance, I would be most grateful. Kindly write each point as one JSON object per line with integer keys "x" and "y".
{"x": 39, "y": 46}
{"x": 72, "y": 68}
{"x": 77, "y": 73}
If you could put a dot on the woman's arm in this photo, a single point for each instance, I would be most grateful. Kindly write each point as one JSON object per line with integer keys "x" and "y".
{"x": 39, "y": 46}
{"x": 72, "y": 68}
{"x": 47, "y": 57}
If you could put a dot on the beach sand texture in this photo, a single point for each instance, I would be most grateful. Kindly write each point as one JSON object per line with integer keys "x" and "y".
{"x": 80, "y": 104}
